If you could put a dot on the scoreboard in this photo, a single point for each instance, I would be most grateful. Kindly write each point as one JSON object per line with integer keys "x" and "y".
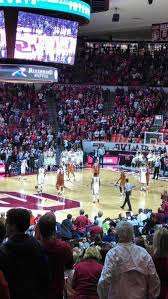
{"x": 74, "y": 7}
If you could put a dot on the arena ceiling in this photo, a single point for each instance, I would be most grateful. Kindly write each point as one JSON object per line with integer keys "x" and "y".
{"x": 136, "y": 18}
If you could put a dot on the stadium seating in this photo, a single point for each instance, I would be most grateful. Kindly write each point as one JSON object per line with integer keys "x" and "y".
{"x": 105, "y": 63}
{"x": 81, "y": 114}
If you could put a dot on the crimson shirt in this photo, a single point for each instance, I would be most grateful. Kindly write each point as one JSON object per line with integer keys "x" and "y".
{"x": 59, "y": 255}
{"x": 86, "y": 278}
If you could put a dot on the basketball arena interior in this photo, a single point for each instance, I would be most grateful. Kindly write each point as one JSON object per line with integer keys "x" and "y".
{"x": 83, "y": 149}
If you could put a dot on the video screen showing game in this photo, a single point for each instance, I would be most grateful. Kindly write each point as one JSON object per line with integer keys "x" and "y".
{"x": 46, "y": 39}
{"x": 3, "y": 49}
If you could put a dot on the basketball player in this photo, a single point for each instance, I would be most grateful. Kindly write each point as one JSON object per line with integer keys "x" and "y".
{"x": 40, "y": 178}
{"x": 24, "y": 166}
{"x": 70, "y": 170}
{"x": 147, "y": 176}
{"x": 95, "y": 187}
{"x": 60, "y": 180}
{"x": 121, "y": 181}
{"x": 96, "y": 168}
{"x": 143, "y": 181}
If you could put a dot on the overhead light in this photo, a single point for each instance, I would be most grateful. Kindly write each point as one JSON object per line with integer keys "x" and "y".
{"x": 150, "y": 2}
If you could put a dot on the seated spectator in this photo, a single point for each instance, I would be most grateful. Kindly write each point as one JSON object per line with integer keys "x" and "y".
{"x": 110, "y": 236}
{"x": 129, "y": 271}
{"x": 58, "y": 252}
{"x": 86, "y": 275}
{"x": 160, "y": 257}
{"x": 81, "y": 222}
{"x": 140, "y": 241}
{"x": 160, "y": 216}
{"x": 95, "y": 230}
{"x": 141, "y": 217}
{"x": 67, "y": 231}
{"x": 99, "y": 218}
{"x": 22, "y": 259}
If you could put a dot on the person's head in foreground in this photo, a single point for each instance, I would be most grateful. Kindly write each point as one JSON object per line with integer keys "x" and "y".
{"x": 160, "y": 242}
{"x": 92, "y": 253}
{"x": 47, "y": 224}
{"x": 17, "y": 221}
{"x": 125, "y": 232}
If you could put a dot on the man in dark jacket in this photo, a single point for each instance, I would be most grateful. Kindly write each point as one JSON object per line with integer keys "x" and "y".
{"x": 67, "y": 228}
{"x": 59, "y": 255}
{"x": 22, "y": 259}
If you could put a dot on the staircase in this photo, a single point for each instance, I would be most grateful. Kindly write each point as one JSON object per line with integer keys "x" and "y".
{"x": 108, "y": 104}
{"x": 52, "y": 113}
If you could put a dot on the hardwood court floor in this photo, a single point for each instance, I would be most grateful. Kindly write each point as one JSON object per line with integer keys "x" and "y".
{"x": 110, "y": 199}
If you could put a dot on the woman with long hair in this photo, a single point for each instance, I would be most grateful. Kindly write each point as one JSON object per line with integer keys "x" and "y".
{"x": 160, "y": 257}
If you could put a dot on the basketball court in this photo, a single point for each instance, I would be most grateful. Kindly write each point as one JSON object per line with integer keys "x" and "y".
{"x": 22, "y": 193}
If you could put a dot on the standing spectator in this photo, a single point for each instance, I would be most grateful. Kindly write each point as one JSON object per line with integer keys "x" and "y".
{"x": 4, "y": 290}
{"x": 86, "y": 275}
{"x": 59, "y": 255}
{"x": 160, "y": 247}
{"x": 129, "y": 271}
{"x": 22, "y": 259}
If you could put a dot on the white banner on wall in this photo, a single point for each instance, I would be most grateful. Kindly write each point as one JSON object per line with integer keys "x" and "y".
{"x": 89, "y": 146}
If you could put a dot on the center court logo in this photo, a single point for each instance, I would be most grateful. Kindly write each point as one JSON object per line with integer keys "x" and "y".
{"x": 42, "y": 201}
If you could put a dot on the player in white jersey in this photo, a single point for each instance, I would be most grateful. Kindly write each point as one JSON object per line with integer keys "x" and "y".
{"x": 143, "y": 178}
{"x": 64, "y": 157}
{"x": 40, "y": 178}
{"x": 95, "y": 187}
{"x": 24, "y": 166}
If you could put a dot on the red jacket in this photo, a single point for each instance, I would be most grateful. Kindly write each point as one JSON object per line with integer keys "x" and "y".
{"x": 85, "y": 279}
{"x": 165, "y": 207}
{"x": 161, "y": 264}
{"x": 81, "y": 222}
{"x": 59, "y": 255}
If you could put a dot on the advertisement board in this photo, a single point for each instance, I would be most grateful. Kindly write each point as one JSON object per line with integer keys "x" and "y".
{"x": 28, "y": 73}
{"x": 89, "y": 146}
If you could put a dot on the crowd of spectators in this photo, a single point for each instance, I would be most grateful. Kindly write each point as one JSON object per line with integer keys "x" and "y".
{"x": 110, "y": 64}
{"x": 81, "y": 114}
{"x": 134, "y": 113}
{"x": 84, "y": 259}
{"x": 24, "y": 128}
{"x": 47, "y": 25}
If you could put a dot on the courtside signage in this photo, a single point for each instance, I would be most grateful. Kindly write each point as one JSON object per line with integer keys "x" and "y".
{"x": 75, "y": 7}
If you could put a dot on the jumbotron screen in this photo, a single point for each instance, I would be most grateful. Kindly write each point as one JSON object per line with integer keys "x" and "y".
{"x": 3, "y": 49}
{"x": 46, "y": 39}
